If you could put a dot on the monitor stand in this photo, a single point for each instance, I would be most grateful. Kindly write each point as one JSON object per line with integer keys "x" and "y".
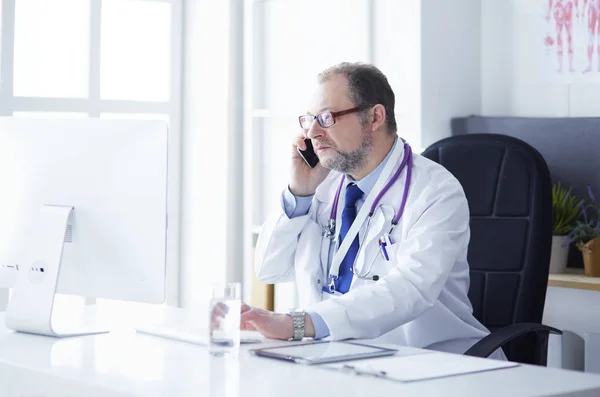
{"x": 32, "y": 302}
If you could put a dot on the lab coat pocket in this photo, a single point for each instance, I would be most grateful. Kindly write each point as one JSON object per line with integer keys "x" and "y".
{"x": 370, "y": 240}
{"x": 391, "y": 249}
{"x": 383, "y": 259}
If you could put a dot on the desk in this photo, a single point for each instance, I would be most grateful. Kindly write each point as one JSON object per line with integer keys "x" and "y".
{"x": 126, "y": 364}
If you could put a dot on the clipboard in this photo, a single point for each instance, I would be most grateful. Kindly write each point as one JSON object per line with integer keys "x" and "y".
{"x": 421, "y": 367}
{"x": 323, "y": 352}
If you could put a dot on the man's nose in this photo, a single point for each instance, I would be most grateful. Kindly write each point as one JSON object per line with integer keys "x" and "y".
{"x": 315, "y": 130}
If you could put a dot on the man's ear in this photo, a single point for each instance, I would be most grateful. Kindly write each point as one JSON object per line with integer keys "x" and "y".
{"x": 378, "y": 117}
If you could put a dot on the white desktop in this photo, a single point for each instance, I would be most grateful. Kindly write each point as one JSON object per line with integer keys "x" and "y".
{"x": 83, "y": 211}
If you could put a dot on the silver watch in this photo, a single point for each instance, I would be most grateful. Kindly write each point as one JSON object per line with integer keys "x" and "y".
{"x": 298, "y": 317}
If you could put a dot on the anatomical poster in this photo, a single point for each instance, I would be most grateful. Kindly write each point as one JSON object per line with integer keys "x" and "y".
{"x": 571, "y": 40}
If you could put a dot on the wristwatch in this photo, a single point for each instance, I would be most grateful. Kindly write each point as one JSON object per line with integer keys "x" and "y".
{"x": 298, "y": 317}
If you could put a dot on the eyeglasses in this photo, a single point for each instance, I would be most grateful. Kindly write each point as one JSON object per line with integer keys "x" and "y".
{"x": 327, "y": 119}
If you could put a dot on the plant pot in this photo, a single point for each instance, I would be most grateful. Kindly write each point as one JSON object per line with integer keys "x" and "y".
{"x": 559, "y": 254}
{"x": 591, "y": 257}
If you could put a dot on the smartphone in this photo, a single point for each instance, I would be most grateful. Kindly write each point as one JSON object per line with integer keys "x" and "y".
{"x": 309, "y": 156}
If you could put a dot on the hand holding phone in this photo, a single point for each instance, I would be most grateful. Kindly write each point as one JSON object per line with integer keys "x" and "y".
{"x": 307, "y": 173}
{"x": 309, "y": 156}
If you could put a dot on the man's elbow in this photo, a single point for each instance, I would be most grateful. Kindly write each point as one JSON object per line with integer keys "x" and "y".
{"x": 272, "y": 273}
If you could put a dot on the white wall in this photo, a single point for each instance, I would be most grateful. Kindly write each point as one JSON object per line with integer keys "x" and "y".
{"x": 396, "y": 50}
{"x": 450, "y": 64}
{"x": 431, "y": 53}
{"x": 518, "y": 75}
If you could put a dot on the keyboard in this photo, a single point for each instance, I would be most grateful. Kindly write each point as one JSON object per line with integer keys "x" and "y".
{"x": 198, "y": 336}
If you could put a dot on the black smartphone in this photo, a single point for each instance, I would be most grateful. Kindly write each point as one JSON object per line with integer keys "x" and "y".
{"x": 309, "y": 155}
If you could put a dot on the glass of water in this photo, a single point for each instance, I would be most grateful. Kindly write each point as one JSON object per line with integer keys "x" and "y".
{"x": 224, "y": 319}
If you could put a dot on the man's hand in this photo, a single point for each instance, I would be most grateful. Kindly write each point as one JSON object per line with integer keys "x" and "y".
{"x": 304, "y": 180}
{"x": 217, "y": 314}
{"x": 273, "y": 325}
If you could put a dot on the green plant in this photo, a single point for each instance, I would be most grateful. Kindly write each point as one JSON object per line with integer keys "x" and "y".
{"x": 566, "y": 209}
{"x": 587, "y": 228}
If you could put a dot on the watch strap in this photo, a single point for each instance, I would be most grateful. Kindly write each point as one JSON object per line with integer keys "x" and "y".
{"x": 298, "y": 318}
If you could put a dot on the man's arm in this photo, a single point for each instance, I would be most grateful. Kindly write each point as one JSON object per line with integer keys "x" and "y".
{"x": 278, "y": 239}
{"x": 273, "y": 325}
{"x": 321, "y": 330}
{"x": 295, "y": 206}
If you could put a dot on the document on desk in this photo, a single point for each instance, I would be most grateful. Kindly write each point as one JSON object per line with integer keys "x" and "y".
{"x": 420, "y": 367}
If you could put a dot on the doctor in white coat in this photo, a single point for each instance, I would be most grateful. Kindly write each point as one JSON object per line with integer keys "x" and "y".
{"x": 374, "y": 236}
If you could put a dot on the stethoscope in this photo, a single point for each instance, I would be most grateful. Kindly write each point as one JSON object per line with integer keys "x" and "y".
{"x": 329, "y": 231}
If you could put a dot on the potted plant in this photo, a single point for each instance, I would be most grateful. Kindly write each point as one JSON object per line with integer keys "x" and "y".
{"x": 586, "y": 236}
{"x": 566, "y": 209}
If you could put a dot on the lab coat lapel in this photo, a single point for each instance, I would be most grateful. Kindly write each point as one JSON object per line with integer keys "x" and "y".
{"x": 325, "y": 196}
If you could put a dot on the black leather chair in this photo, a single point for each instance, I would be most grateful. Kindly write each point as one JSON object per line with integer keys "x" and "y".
{"x": 508, "y": 186}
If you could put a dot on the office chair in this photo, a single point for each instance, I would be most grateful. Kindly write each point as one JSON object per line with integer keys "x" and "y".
{"x": 507, "y": 184}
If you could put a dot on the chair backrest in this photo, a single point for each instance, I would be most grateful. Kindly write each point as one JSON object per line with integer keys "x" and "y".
{"x": 508, "y": 186}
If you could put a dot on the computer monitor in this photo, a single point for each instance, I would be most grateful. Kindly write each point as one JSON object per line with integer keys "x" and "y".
{"x": 83, "y": 211}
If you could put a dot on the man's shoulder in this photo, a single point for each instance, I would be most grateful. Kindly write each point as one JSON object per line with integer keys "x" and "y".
{"x": 434, "y": 181}
{"x": 431, "y": 172}
{"x": 428, "y": 165}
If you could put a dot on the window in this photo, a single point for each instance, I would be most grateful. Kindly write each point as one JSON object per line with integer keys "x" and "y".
{"x": 98, "y": 58}
{"x": 51, "y": 48}
{"x": 135, "y": 63}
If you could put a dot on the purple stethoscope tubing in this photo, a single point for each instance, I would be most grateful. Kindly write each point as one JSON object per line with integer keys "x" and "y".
{"x": 406, "y": 162}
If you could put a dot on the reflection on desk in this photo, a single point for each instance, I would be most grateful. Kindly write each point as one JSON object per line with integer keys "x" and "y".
{"x": 125, "y": 363}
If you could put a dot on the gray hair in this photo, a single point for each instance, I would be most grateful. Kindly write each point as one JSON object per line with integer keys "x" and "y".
{"x": 367, "y": 85}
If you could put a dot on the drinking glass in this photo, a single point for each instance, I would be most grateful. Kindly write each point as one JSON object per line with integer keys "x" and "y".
{"x": 224, "y": 319}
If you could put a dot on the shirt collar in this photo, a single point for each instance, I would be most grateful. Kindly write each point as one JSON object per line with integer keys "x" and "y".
{"x": 367, "y": 183}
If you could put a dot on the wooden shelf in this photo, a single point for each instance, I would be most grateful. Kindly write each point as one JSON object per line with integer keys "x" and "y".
{"x": 574, "y": 278}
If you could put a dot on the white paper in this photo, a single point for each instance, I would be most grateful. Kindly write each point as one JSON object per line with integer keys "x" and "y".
{"x": 420, "y": 367}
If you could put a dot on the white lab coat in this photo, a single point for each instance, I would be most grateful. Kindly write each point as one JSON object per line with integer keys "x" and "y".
{"x": 420, "y": 299}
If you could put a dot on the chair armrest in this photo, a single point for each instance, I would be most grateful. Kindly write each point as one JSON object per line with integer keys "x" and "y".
{"x": 499, "y": 338}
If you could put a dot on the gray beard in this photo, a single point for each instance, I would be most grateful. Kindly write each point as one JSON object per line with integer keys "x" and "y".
{"x": 347, "y": 162}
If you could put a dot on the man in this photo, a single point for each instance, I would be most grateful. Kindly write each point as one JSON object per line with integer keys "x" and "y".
{"x": 400, "y": 276}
